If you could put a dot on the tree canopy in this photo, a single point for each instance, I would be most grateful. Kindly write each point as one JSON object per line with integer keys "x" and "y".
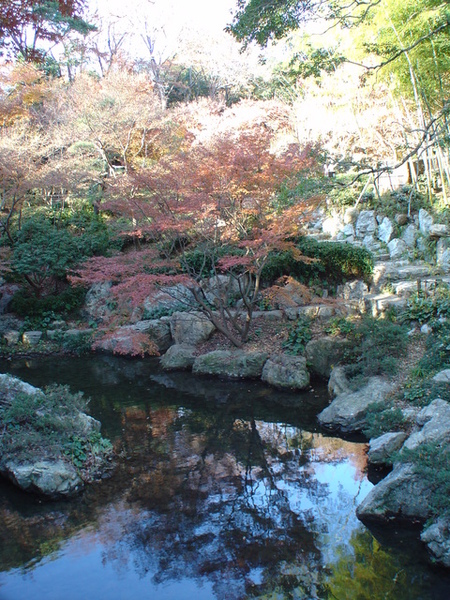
{"x": 26, "y": 26}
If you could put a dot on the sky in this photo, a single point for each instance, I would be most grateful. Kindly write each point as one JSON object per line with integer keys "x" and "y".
{"x": 166, "y": 20}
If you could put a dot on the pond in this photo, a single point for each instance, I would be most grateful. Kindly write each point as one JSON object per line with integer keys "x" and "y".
{"x": 222, "y": 491}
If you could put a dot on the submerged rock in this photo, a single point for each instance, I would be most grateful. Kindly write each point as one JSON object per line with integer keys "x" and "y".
{"x": 437, "y": 539}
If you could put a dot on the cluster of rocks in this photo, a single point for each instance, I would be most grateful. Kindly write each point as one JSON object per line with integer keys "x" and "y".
{"x": 400, "y": 237}
{"x": 49, "y": 471}
{"x": 404, "y": 493}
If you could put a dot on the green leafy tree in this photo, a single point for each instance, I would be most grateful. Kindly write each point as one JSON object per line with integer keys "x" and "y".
{"x": 26, "y": 25}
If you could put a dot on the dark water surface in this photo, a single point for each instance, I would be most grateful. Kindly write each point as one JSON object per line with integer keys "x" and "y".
{"x": 222, "y": 491}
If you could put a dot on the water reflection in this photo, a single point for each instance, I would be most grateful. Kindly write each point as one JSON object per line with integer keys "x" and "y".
{"x": 211, "y": 499}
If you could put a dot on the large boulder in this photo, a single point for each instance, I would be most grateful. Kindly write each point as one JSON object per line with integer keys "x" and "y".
{"x": 98, "y": 302}
{"x": 166, "y": 301}
{"x": 347, "y": 413}
{"x": 190, "y": 327}
{"x": 397, "y": 249}
{"x": 286, "y": 372}
{"x": 51, "y": 478}
{"x": 235, "y": 364}
{"x": 125, "y": 341}
{"x": 325, "y": 353}
{"x": 338, "y": 382}
{"x": 178, "y": 357}
{"x": 402, "y": 494}
{"x": 425, "y": 221}
{"x": 49, "y": 467}
{"x": 158, "y": 330}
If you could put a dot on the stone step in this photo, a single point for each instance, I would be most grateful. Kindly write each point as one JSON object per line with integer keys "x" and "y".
{"x": 377, "y": 304}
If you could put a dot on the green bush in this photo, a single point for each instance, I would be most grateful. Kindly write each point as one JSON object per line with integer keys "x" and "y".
{"x": 427, "y": 308}
{"x": 376, "y": 346}
{"x": 298, "y": 336}
{"x": 382, "y": 417}
{"x": 334, "y": 263}
{"x": 26, "y": 304}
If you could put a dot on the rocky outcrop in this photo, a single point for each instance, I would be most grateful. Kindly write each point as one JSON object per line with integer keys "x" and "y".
{"x": 406, "y": 492}
{"x": 286, "y": 372}
{"x": 178, "y": 357}
{"x": 98, "y": 302}
{"x": 402, "y": 494}
{"x": 48, "y": 468}
{"x": 347, "y": 413}
{"x": 323, "y": 354}
{"x": 235, "y": 364}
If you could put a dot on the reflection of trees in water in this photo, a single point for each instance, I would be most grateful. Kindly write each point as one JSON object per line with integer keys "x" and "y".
{"x": 367, "y": 569}
{"x": 211, "y": 500}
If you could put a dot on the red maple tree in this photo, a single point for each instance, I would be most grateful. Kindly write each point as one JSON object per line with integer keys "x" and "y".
{"x": 206, "y": 210}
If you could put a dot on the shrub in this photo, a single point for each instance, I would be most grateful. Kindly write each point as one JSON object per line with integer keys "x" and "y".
{"x": 26, "y": 304}
{"x": 334, "y": 263}
{"x": 382, "y": 417}
{"x": 376, "y": 346}
{"x": 427, "y": 308}
{"x": 298, "y": 336}
{"x": 432, "y": 462}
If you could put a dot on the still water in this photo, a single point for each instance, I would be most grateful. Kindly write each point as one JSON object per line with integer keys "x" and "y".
{"x": 222, "y": 491}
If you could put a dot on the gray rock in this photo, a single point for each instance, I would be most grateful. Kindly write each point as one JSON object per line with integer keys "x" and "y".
{"x": 178, "y": 357}
{"x": 338, "y": 382}
{"x": 11, "y": 386}
{"x": 366, "y": 223}
{"x": 286, "y": 372}
{"x": 410, "y": 235}
{"x": 425, "y": 221}
{"x": 190, "y": 327}
{"x": 158, "y": 330}
{"x": 382, "y": 448}
{"x": 31, "y": 338}
{"x": 434, "y": 423}
{"x": 437, "y": 539}
{"x": 353, "y": 290}
{"x": 98, "y": 302}
{"x": 438, "y": 230}
{"x": 325, "y": 353}
{"x": 443, "y": 253}
{"x": 385, "y": 230}
{"x": 235, "y": 364}
{"x": 125, "y": 341}
{"x": 397, "y": 248}
{"x": 332, "y": 225}
{"x": 12, "y": 337}
{"x": 166, "y": 301}
{"x": 347, "y": 413}
{"x": 442, "y": 376}
{"x": 402, "y": 494}
{"x": 51, "y": 478}
{"x": 220, "y": 289}
{"x": 7, "y": 291}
